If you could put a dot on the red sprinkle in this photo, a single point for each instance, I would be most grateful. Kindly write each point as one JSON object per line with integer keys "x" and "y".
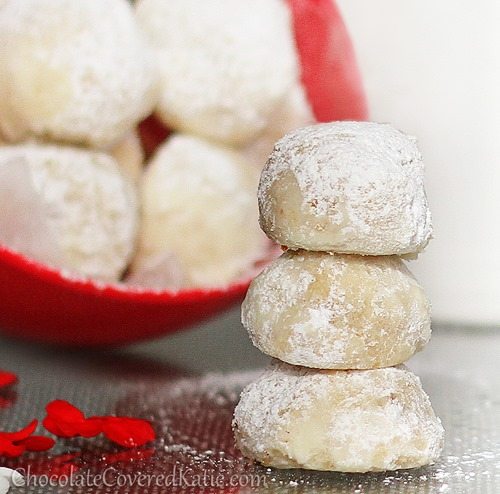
{"x": 91, "y": 427}
{"x": 61, "y": 410}
{"x": 38, "y": 443}
{"x": 8, "y": 396}
{"x": 128, "y": 432}
{"x": 8, "y": 448}
{"x": 14, "y": 444}
{"x": 7, "y": 378}
{"x": 65, "y": 420}
{"x": 21, "y": 434}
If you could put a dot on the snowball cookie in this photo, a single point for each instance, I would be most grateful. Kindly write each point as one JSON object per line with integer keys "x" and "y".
{"x": 198, "y": 208}
{"x": 350, "y": 187}
{"x": 337, "y": 311}
{"x": 78, "y": 201}
{"x": 73, "y": 71}
{"x": 225, "y": 66}
{"x": 347, "y": 421}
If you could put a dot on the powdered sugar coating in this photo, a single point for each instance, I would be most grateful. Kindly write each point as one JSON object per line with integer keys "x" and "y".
{"x": 333, "y": 311}
{"x": 349, "y": 421}
{"x": 88, "y": 208}
{"x": 347, "y": 187}
{"x": 73, "y": 71}
{"x": 225, "y": 66}
{"x": 199, "y": 211}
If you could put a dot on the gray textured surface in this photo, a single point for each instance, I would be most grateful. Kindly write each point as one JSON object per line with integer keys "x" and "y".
{"x": 166, "y": 381}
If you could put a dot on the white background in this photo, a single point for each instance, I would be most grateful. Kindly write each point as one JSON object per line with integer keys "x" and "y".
{"x": 432, "y": 68}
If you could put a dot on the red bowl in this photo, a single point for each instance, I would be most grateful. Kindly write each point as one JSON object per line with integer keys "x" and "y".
{"x": 40, "y": 304}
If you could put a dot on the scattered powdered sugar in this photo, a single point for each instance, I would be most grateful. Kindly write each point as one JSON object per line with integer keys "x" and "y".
{"x": 337, "y": 311}
{"x": 93, "y": 75}
{"x": 194, "y": 433}
{"x": 212, "y": 385}
{"x": 360, "y": 190}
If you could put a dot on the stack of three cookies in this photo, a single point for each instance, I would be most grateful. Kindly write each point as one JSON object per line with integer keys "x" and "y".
{"x": 339, "y": 308}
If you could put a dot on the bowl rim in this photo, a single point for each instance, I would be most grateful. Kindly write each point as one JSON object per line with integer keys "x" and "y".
{"x": 117, "y": 291}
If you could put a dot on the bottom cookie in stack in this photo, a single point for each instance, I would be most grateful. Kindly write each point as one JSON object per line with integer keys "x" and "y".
{"x": 341, "y": 420}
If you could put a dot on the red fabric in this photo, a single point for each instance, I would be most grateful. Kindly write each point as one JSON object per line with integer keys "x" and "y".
{"x": 328, "y": 64}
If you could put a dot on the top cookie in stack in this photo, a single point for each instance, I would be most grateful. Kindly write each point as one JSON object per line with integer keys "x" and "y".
{"x": 346, "y": 187}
